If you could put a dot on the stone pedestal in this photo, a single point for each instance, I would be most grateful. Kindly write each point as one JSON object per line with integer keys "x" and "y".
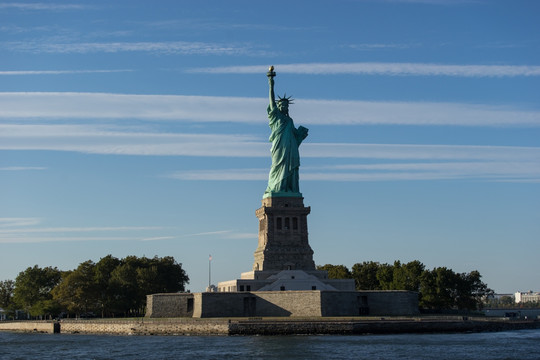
{"x": 283, "y": 236}
{"x": 283, "y": 258}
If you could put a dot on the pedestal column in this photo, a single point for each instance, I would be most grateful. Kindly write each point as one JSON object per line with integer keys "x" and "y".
{"x": 283, "y": 235}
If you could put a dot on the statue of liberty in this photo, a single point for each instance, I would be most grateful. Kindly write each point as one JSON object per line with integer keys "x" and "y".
{"x": 285, "y": 138}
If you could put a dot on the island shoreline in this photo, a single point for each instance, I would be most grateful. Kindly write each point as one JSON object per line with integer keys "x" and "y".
{"x": 271, "y": 326}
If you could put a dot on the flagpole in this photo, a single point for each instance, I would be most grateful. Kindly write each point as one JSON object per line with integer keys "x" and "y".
{"x": 209, "y": 271}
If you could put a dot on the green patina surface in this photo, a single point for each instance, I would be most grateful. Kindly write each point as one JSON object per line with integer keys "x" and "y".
{"x": 283, "y": 180}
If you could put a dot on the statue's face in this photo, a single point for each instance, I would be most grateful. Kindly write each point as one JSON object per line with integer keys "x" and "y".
{"x": 283, "y": 106}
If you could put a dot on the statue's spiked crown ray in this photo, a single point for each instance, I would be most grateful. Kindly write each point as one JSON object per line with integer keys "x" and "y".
{"x": 285, "y": 98}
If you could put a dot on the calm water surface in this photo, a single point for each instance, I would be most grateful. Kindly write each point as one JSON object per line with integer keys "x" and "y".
{"x": 523, "y": 345}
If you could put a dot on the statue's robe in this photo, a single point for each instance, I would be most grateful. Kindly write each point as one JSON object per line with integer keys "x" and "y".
{"x": 285, "y": 138}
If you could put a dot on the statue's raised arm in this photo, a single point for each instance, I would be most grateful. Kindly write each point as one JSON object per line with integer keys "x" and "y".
{"x": 285, "y": 138}
{"x": 271, "y": 75}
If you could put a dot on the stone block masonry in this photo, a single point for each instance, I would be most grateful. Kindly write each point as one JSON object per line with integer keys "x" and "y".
{"x": 48, "y": 327}
{"x": 266, "y": 326}
{"x": 262, "y": 303}
{"x": 146, "y": 327}
{"x": 283, "y": 236}
{"x": 312, "y": 303}
{"x": 169, "y": 305}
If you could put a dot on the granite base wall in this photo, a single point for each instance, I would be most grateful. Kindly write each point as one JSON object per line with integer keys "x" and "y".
{"x": 263, "y": 303}
{"x": 283, "y": 304}
{"x": 391, "y": 303}
{"x": 169, "y": 305}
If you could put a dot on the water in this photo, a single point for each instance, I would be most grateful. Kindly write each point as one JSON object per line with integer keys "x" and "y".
{"x": 522, "y": 344}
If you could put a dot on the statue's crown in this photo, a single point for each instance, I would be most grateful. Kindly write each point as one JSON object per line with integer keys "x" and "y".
{"x": 285, "y": 98}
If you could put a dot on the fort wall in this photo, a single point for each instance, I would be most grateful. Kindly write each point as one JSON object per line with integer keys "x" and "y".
{"x": 169, "y": 305}
{"x": 282, "y": 304}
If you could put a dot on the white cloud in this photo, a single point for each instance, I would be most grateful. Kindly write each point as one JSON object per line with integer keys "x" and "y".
{"x": 27, "y": 239}
{"x": 156, "y": 238}
{"x": 422, "y": 152}
{"x": 494, "y": 170}
{"x": 58, "y": 72}
{"x": 411, "y": 113}
{"x": 221, "y": 174}
{"x": 23, "y": 230}
{"x": 192, "y": 24}
{"x": 218, "y": 232}
{"x": 480, "y": 167}
{"x": 77, "y": 229}
{"x": 380, "y": 68}
{"x": 51, "y": 105}
{"x": 21, "y": 168}
{"x": 22, "y": 237}
{"x": 172, "y": 47}
{"x": 124, "y": 140}
{"x": 379, "y": 46}
{"x": 432, "y": 2}
{"x": 122, "y": 106}
{"x": 225, "y": 234}
{"x": 42, "y": 6}
{"x": 487, "y": 170}
{"x": 242, "y": 236}
{"x": 15, "y": 222}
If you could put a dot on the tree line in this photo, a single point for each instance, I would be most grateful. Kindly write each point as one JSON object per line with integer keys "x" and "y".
{"x": 508, "y": 302}
{"x": 439, "y": 289}
{"x": 109, "y": 288}
{"x": 115, "y": 287}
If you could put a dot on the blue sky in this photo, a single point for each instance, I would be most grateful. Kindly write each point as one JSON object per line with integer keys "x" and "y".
{"x": 139, "y": 128}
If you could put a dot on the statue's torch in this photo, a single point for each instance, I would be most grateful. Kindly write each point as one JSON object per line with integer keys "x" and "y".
{"x": 271, "y": 73}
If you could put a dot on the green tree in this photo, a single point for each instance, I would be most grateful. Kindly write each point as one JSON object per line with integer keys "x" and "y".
{"x": 365, "y": 275}
{"x": 134, "y": 278}
{"x": 336, "y": 271}
{"x": 385, "y": 275}
{"x": 428, "y": 290}
{"x": 32, "y": 291}
{"x": 78, "y": 291}
{"x": 506, "y": 301}
{"x": 106, "y": 293}
{"x": 529, "y": 305}
{"x": 124, "y": 285}
{"x": 163, "y": 275}
{"x": 471, "y": 291}
{"x": 443, "y": 289}
{"x": 437, "y": 288}
{"x": 407, "y": 276}
{"x": 6, "y": 293}
{"x": 46, "y": 307}
{"x": 112, "y": 286}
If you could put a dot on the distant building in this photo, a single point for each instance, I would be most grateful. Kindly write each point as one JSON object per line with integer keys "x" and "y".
{"x": 530, "y": 296}
{"x": 500, "y": 296}
{"x": 2, "y": 314}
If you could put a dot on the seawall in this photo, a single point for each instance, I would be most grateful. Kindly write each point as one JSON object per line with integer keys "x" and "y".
{"x": 48, "y": 327}
{"x": 380, "y": 326}
{"x": 140, "y": 326}
{"x": 271, "y": 326}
